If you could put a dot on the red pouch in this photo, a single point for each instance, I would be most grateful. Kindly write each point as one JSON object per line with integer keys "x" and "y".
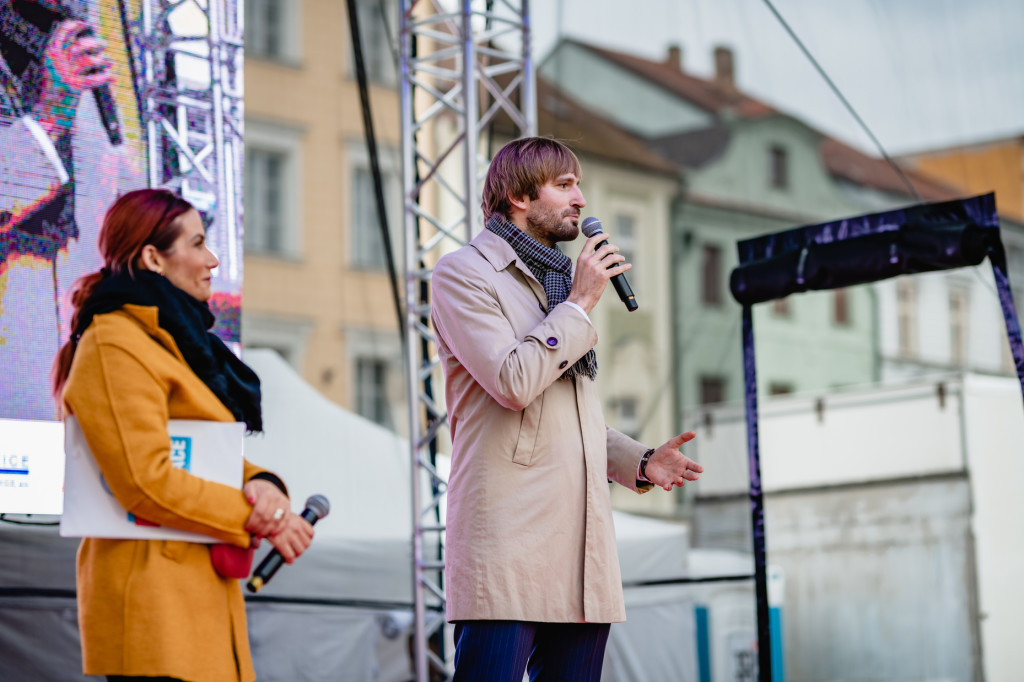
{"x": 232, "y": 561}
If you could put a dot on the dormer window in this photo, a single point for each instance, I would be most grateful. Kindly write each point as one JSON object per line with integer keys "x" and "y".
{"x": 778, "y": 167}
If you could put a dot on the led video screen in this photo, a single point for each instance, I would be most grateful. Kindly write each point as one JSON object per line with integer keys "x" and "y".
{"x": 74, "y": 135}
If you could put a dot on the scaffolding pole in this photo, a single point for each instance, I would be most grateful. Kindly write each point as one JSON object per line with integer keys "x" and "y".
{"x": 190, "y": 60}
{"x": 461, "y": 67}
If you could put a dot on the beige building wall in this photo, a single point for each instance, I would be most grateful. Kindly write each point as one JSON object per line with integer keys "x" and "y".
{"x": 310, "y": 299}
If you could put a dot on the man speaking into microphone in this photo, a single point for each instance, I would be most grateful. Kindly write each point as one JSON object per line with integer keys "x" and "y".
{"x": 531, "y": 570}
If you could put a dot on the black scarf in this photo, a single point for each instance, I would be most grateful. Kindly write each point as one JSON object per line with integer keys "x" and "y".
{"x": 553, "y": 269}
{"x": 187, "y": 321}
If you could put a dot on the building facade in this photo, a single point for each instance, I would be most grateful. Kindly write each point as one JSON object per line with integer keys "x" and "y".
{"x": 316, "y": 287}
{"x": 986, "y": 166}
{"x": 750, "y": 169}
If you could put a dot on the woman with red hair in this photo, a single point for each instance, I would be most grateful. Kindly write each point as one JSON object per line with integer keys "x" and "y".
{"x": 141, "y": 355}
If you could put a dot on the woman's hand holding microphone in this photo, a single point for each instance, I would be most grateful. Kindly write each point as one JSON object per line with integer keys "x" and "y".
{"x": 273, "y": 519}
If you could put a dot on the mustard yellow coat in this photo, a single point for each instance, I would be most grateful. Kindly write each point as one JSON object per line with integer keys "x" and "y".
{"x": 149, "y": 607}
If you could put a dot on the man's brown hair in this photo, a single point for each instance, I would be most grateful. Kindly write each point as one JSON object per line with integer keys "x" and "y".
{"x": 521, "y": 167}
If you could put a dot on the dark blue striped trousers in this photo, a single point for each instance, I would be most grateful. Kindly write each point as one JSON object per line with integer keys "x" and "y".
{"x": 501, "y": 650}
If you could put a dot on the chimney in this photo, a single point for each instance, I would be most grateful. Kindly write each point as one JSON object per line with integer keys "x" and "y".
{"x": 724, "y": 70}
{"x": 675, "y": 57}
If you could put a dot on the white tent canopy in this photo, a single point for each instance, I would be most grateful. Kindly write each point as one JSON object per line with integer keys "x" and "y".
{"x": 341, "y": 612}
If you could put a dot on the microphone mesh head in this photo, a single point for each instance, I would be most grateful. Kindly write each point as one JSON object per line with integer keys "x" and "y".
{"x": 319, "y": 504}
{"x": 591, "y": 226}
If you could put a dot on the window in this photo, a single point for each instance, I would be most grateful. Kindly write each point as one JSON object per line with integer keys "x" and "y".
{"x": 272, "y": 29}
{"x": 627, "y": 414}
{"x": 712, "y": 390}
{"x": 711, "y": 276}
{"x": 377, "y": 31}
{"x": 287, "y": 336}
{"x": 778, "y": 167}
{"x": 958, "y": 315}
{"x": 367, "y": 242}
{"x": 625, "y": 237}
{"x": 840, "y": 307}
{"x": 376, "y": 377}
{"x": 372, "y": 390}
{"x": 1018, "y": 301}
{"x": 906, "y": 314}
{"x": 1009, "y": 365}
{"x": 272, "y": 208}
{"x": 264, "y": 194}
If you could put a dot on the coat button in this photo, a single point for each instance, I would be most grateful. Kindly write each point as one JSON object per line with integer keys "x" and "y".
{"x": 552, "y": 341}
{"x": 563, "y": 364}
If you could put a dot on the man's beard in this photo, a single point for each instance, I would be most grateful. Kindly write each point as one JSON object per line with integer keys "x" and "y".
{"x": 545, "y": 224}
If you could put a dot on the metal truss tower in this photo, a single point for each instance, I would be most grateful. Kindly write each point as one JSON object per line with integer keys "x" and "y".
{"x": 463, "y": 64}
{"x": 189, "y": 65}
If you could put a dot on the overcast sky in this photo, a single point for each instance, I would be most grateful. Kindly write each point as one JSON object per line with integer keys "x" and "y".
{"x": 921, "y": 73}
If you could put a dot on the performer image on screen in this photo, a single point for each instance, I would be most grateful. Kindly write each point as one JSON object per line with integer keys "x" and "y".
{"x": 531, "y": 570}
{"x": 60, "y": 168}
{"x": 141, "y": 355}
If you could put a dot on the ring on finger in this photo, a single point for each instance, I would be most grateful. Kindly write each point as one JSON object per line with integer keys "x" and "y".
{"x": 278, "y": 514}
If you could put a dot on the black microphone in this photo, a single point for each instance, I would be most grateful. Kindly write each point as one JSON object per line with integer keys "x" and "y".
{"x": 104, "y": 99}
{"x": 592, "y": 226}
{"x": 317, "y": 507}
{"x": 108, "y": 111}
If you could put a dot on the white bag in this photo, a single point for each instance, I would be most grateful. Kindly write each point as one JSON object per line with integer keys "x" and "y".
{"x": 210, "y": 450}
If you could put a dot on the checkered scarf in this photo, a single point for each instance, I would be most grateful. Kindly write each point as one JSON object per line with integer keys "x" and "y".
{"x": 553, "y": 269}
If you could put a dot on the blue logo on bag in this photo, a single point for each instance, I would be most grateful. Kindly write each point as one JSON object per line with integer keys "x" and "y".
{"x": 181, "y": 452}
{"x": 14, "y": 464}
{"x": 181, "y": 458}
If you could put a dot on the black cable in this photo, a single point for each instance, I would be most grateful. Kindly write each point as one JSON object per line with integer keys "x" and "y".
{"x": 16, "y": 522}
{"x": 371, "y": 145}
{"x": 744, "y": 577}
{"x": 343, "y": 603}
{"x": 49, "y": 592}
{"x": 846, "y": 103}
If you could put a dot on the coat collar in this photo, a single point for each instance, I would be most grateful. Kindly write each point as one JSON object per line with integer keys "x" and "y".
{"x": 148, "y": 317}
{"x": 501, "y": 256}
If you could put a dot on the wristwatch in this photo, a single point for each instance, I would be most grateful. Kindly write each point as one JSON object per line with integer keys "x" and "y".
{"x": 643, "y": 464}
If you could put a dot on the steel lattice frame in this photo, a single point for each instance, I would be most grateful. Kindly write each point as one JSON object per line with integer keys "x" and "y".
{"x": 460, "y": 67}
{"x": 194, "y": 121}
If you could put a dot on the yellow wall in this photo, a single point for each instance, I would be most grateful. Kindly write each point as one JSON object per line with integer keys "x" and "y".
{"x": 995, "y": 166}
{"x": 320, "y": 97}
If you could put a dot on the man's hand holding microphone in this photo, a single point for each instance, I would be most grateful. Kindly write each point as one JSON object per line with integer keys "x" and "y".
{"x": 598, "y": 263}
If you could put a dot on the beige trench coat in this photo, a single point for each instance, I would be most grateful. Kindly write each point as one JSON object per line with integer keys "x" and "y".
{"x": 529, "y": 529}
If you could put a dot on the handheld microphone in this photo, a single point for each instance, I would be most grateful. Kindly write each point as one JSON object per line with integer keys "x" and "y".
{"x": 27, "y": 27}
{"x": 108, "y": 111}
{"x": 592, "y": 226}
{"x": 317, "y": 507}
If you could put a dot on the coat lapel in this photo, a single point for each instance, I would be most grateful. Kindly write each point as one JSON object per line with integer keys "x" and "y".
{"x": 500, "y": 255}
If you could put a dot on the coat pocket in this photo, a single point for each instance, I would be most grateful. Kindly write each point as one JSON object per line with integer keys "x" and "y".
{"x": 526, "y": 444}
{"x": 175, "y": 549}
